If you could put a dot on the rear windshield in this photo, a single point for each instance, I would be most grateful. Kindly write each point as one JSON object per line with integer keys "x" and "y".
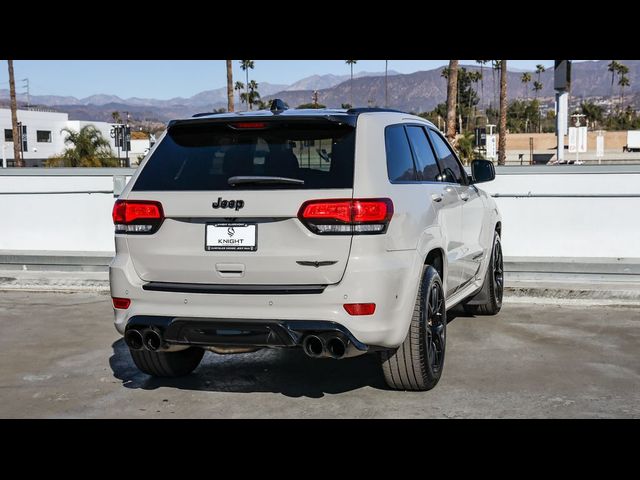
{"x": 204, "y": 156}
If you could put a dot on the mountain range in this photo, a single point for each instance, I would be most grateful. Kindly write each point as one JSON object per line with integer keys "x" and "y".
{"x": 415, "y": 92}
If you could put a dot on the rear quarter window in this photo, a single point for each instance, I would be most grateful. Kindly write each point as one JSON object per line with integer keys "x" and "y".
{"x": 400, "y": 167}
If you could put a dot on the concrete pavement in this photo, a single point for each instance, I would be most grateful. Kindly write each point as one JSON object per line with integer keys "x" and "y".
{"x": 60, "y": 357}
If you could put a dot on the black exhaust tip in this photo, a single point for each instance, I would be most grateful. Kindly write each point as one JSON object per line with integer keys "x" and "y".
{"x": 313, "y": 346}
{"x": 336, "y": 347}
{"x": 133, "y": 339}
{"x": 152, "y": 340}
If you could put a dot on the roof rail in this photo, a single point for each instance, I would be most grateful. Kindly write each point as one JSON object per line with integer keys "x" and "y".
{"x": 359, "y": 110}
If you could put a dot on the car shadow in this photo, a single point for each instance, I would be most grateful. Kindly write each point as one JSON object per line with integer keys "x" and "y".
{"x": 286, "y": 371}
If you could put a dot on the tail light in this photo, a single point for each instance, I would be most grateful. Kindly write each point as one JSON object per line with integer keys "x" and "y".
{"x": 347, "y": 217}
{"x": 137, "y": 216}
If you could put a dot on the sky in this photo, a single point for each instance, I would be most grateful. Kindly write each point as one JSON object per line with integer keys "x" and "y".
{"x": 164, "y": 79}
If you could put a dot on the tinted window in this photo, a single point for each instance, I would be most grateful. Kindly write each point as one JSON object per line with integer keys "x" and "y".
{"x": 204, "y": 156}
{"x": 452, "y": 170}
{"x": 425, "y": 158}
{"x": 399, "y": 160}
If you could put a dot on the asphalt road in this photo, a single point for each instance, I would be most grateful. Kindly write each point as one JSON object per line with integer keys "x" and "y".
{"x": 60, "y": 357}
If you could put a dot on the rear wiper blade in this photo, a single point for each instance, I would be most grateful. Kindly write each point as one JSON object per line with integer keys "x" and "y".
{"x": 240, "y": 180}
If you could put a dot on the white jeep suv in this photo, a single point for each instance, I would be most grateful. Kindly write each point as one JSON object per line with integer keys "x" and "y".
{"x": 341, "y": 232}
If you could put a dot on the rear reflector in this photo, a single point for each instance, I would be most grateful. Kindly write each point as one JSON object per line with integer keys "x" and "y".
{"x": 360, "y": 308}
{"x": 137, "y": 216}
{"x": 347, "y": 216}
{"x": 121, "y": 303}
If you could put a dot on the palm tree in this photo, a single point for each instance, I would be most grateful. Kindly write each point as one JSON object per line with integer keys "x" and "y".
{"x": 537, "y": 86}
{"x": 540, "y": 70}
{"x": 622, "y": 71}
{"x": 452, "y": 90}
{"x": 482, "y": 62}
{"x": 115, "y": 116}
{"x": 254, "y": 96}
{"x": 17, "y": 158}
{"x": 239, "y": 87}
{"x": 246, "y": 65}
{"x": 88, "y": 149}
{"x": 351, "y": 63}
{"x": 502, "y": 127}
{"x": 495, "y": 66}
{"x": 623, "y": 82}
{"x": 230, "y": 106}
{"x": 613, "y": 68}
{"x": 526, "y": 78}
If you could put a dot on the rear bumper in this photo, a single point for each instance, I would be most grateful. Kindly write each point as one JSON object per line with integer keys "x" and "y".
{"x": 387, "y": 278}
{"x": 242, "y": 333}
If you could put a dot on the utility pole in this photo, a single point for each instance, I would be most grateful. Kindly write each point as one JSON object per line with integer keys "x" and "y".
{"x": 562, "y": 83}
{"x": 25, "y": 81}
{"x": 14, "y": 116}
{"x": 386, "y": 85}
{"x": 127, "y": 139}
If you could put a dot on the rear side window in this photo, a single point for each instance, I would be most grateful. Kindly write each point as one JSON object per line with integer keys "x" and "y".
{"x": 203, "y": 156}
{"x": 425, "y": 158}
{"x": 451, "y": 168}
{"x": 400, "y": 167}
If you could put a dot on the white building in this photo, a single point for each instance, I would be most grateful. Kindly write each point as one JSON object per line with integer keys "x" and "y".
{"x": 42, "y": 137}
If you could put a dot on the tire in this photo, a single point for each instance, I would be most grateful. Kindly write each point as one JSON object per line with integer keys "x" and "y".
{"x": 495, "y": 277}
{"x": 167, "y": 364}
{"x": 417, "y": 364}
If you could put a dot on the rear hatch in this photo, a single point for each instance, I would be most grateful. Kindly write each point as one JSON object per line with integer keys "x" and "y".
{"x": 231, "y": 191}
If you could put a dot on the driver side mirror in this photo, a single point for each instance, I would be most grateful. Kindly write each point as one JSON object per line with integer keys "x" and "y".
{"x": 482, "y": 171}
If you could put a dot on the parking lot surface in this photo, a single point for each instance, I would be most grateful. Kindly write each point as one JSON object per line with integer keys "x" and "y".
{"x": 60, "y": 357}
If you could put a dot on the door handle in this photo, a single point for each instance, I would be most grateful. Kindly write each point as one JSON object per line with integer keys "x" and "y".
{"x": 464, "y": 196}
{"x": 437, "y": 197}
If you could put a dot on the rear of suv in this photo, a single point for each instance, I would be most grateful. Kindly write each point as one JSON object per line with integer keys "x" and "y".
{"x": 341, "y": 232}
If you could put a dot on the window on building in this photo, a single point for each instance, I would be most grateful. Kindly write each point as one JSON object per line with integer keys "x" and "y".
{"x": 43, "y": 136}
{"x": 25, "y": 146}
{"x": 400, "y": 165}
{"x": 8, "y": 135}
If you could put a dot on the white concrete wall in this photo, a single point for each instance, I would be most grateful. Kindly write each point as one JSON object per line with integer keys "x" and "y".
{"x": 586, "y": 214}
{"x": 587, "y": 226}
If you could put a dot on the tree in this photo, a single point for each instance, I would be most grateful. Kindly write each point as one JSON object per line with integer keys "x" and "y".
{"x": 115, "y": 116}
{"x": 623, "y": 82}
{"x": 311, "y": 105}
{"x": 351, "y": 63}
{"x": 537, "y": 86}
{"x": 230, "y": 106}
{"x": 502, "y": 126}
{"x": 613, "y": 68}
{"x": 239, "y": 87}
{"x": 88, "y": 149}
{"x": 495, "y": 66}
{"x": 452, "y": 90}
{"x": 246, "y": 65}
{"x": 592, "y": 112}
{"x": 539, "y": 71}
{"x": 526, "y": 78}
{"x": 482, "y": 63}
{"x": 17, "y": 158}
{"x": 251, "y": 96}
